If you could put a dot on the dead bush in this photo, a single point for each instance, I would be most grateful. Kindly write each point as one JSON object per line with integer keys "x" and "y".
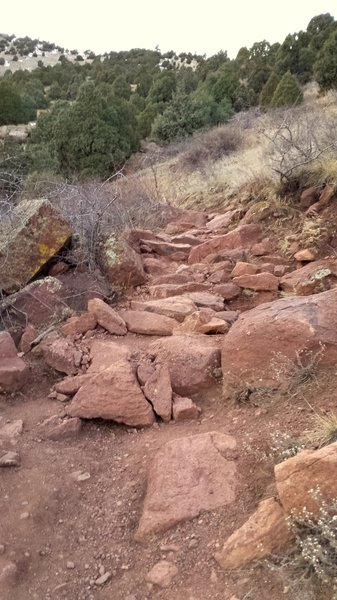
{"x": 299, "y": 139}
{"x": 96, "y": 209}
{"x": 211, "y": 146}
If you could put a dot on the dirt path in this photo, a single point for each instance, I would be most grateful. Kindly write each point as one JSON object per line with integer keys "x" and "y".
{"x": 70, "y": 511}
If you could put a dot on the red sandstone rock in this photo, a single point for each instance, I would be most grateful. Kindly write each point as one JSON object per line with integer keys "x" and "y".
{"x": 60, "y": 354}
{"x": 244, "y": 236}
{"x": 243, "y": 268}
{"x": 202, "y": 322}
{"x": 304, "y": 255}
{"x": 188, "y": 475}
{"x": 266, "y": 532}
{"x": 79, "y": 324}
{"x": 261, "y": 248}
{"x": 276, "y": 333}
{"x": 113, "y": 394}
{"x": 146, "y": 323}
{"x": 193, "y": 361}
{"x": 220, "y": 221}
{"x": 120, "y": 261}
{"x": 144, "y": 372}
{"x": 184, "y": 409}
{"x": 315, "y": 277}
{"x": 175, "y": 307}
{"x": 206, "y": 300}
{"x": 309, "y": 197}
{"x": 158, "y": 391}
{"x": 227, "y": 291}
{"x": 37, "y": 234}
{"x": 107, "y": 317}
{"x": 13, "y": 371}
{"x": 166, "y": 290}
{"x": 299, "y": 478}
{"x": 259, "y": 282}
{"x": 28, "y": 337}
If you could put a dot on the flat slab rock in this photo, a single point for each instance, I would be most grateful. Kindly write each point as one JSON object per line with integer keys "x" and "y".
{"x": 244, "y": 236}
{"x": 175, "y": 307}
{"x": 189, "y": 475}
{"x": 146, "y": 323}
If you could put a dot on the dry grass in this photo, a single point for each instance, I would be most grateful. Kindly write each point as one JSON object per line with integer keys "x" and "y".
{"x": 324, "y": 431}
{"x": 212, "y": 169}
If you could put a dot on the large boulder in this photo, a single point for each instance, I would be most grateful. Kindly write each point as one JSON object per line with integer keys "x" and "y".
{"x": 120, "y": 262}
{"x": 113, "y": 394}
{"x": 193, "y": 361}
{"x": 244, "y": 236}
{"x": 266, "y": 532}
{"x": 37, "y": 234}
{"x": 267, "y": 339}
{"x": 188, "y": 475}
{"x": 13, "y": 370}
{"x": 39, "y": 302}
{"x": 307, "y": 479}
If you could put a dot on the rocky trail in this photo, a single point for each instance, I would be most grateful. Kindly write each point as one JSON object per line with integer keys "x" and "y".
{"x": 136, "y": 431}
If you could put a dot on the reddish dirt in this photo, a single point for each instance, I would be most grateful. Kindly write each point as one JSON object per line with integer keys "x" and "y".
{"x": 91, "y": 523}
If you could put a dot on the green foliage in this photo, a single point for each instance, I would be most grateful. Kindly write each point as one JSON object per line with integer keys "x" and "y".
{"x": 188, "y": 113}
{"x": 325, "y": 68}
{"x": 91, "y": 137}
{"x": 85, "y": 134}
{"x": 163, "y": 88}
{"x": 14, "y": 108}
{"x": 146, "y": 119}
{"x": 268, "y": 90}
{"x": 287, "y": 92}
{"x": 121, "y": 87}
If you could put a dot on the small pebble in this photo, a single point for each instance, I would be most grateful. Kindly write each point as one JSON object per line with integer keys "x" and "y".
{"x": 24, "y": 515}
{"x": 2, "y": 549}
{"x": 70, "y": 565}
{"x": 103, "y": 579}
{"x": 83, "y": 476}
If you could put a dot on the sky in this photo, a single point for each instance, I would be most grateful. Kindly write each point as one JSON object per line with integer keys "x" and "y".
{"x": 203, "y": 27}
